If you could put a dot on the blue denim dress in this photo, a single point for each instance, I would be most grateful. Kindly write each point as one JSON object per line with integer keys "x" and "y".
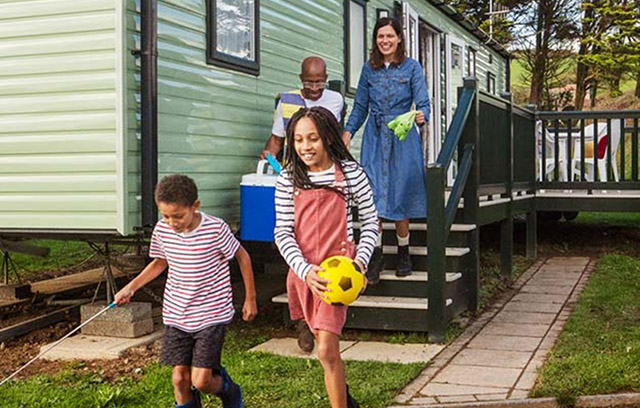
{"x": 395, "y": 168}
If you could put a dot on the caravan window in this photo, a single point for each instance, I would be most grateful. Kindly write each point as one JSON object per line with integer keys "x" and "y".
{"x": 471, "y": 62}
{"x": 233, "y": 34}
{"x": 491, "y": 83}
{"x": 355, "y": 45}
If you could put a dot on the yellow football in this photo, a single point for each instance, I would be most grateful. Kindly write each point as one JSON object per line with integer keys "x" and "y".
{"x": 345, "y": 281}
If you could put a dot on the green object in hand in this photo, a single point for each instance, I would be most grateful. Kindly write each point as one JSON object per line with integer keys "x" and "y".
{"x": 402, "y": 124}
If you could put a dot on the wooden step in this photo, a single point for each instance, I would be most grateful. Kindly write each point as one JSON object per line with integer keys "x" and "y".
{"x": 416, "y": 276}
{"x": 421, "y": 226}
{"x": 380, "y": 302}
{"x": 418, "y": 250}
{"x": 414, "y": 285}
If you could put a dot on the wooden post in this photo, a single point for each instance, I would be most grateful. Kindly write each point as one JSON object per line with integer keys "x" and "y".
{"x": 471, "y": 134}
{"x": 506, "y": 225}
{"x": 436, "y": 255}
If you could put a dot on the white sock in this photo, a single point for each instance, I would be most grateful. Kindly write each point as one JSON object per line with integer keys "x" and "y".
{"x": 403, "y": 241}
{"x": 379, "y": 241}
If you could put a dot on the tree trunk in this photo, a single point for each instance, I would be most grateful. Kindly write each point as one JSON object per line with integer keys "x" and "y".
{"x": 581, "y": 84}
{"x": 582, "y": 71}
{"x": 537, "y": 75}
{"x": 638, "y": 86}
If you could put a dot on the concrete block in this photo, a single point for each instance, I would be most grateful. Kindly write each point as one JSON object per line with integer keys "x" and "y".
{"x": 15, "y": 291}
{"x": 118, "y": 329}
{"x": 129, "y": 313}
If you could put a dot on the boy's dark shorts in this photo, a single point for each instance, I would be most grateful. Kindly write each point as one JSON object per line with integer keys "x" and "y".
{"x": 200, "y": 349}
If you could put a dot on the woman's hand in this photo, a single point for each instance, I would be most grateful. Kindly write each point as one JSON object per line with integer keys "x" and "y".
{"x": 420, "y": 117}
{"x": 346, "y": 138}
{"x": 316, "y": 284}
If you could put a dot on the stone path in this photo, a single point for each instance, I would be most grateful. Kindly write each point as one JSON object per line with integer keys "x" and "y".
{"x": 498, "y": 356}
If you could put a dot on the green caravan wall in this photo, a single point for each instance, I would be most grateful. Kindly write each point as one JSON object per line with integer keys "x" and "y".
{"x": 213, "y": 122}
{"x": 60, "y": 115}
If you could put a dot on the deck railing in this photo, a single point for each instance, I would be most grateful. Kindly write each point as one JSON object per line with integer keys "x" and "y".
{"x": 588, "y": 150}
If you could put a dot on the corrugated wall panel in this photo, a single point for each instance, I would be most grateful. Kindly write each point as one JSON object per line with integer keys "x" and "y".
{"x": 213, "y": 122}
{"x": 59, "y": 115}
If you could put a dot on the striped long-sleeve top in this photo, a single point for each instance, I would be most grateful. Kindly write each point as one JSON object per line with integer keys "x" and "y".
{"x": 358, "y": 193}
{"x": 198, "y": 289}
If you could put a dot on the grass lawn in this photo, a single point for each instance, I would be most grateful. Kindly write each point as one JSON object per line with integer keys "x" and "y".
{"x": 598, "y": 351}
{"x": 62, "y": 254}
{"x": 268, "y": 381}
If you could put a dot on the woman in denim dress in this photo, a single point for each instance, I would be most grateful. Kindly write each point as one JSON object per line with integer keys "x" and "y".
{"x": 390, "y": 83}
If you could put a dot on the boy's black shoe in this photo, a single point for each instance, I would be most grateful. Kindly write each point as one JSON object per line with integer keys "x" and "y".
{"x": 376, "y": 265}
{"x": 351, "y": 402}
{"x": 306, "y": 341}
{"x": 403, "y": 261}
{"x": 230, "y": 394}
{"x": 194, "y": 403}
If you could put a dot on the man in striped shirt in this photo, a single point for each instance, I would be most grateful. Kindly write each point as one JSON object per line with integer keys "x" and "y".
{"x": 197, "y": 301}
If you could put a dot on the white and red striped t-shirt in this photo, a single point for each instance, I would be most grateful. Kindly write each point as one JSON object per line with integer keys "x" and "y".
{"x": 198, "y": 289}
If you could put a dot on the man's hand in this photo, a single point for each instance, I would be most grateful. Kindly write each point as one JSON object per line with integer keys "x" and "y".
{"x": 316, "y": 284}
{"x": 123, "y": 296}
{"x": 346, "y": 138}
{"x": 420, "y": 117}
{"x": 263, "y": 155}
{"x": 249, "y": 310}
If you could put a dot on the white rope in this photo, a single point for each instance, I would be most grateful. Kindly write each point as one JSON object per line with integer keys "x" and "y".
{"x": 42, "y": 353}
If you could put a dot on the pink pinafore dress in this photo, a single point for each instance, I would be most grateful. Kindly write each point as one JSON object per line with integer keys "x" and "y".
{"x": 320, "y": 225}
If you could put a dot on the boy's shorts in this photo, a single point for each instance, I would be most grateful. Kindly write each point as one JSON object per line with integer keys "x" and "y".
{"x": 200, "y": 349}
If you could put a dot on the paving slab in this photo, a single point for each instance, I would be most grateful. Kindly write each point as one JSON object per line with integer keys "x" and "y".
{"x": 288, "y": 347}
{"x": 475, "y": 375}
{"x": 568, "y": 260}
{"x": 547, "y": 289}
{"x": 84, "y": 347}
{"x": 493, "y": 358}
{"x": 559, "y": 281}
{"x": 515, "y": 329}
{"x": 423, "y": 401}
{"x": 395, "y": 353}
{"x": 524, "y": 317}
{"x": 533, "y": 307}
{"x": 457, "y": 398}
{"x": 492, "y": 397}
{"x": 519, "y": 394}
{"x": 506, "y": 343}
{"x": 539, "y": 298}
{"x": 444, "y": 389}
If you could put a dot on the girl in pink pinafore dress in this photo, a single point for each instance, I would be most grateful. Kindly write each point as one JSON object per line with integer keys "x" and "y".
{"x": 319, "y": 185}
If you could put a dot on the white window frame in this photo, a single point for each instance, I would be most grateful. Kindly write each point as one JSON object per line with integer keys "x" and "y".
{"x": 352, "y": 83}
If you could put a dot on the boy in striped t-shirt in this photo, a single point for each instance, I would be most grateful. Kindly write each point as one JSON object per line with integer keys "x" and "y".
{"x": 197, "y": 301}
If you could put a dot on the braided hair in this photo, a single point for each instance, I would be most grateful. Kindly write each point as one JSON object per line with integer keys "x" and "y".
{"x": 331, "y": 135}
